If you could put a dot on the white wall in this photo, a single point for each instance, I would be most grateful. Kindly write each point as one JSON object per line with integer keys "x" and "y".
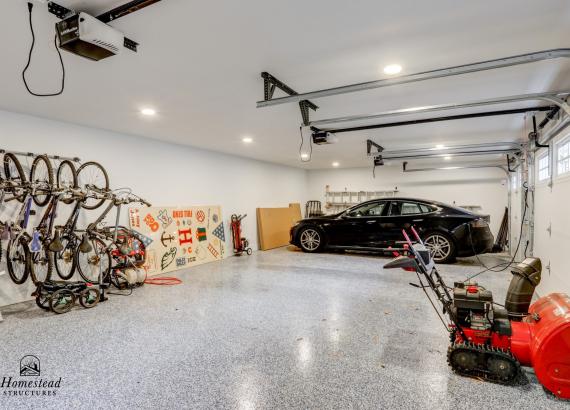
{"x": 552, "y": 210}
{"x": 485, "y": 187}
{"x": 168, "y": 174}
{"x": 164, "y": 174}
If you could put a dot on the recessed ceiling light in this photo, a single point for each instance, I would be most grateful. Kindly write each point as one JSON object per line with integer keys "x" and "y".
{"x": 304, "y": 156}
{"x": 447, "y": 158}
{"x": 440, "y": 146}
{"x": 335, "y": 164}
{"x": 148, "y": 112}
{"x": 392, "y": 69}
{"x": 247, "y": 140}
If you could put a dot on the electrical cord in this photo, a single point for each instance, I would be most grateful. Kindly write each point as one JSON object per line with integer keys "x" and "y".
{"x": 507, "y": 264}
{"x": 30, "y": 7}
{"x": 423, "y": 287}
{"x": 163, "y": 281}
{"x": 301, "y": 147}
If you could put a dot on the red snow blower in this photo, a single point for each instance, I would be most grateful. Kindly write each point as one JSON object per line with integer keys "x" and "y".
{"x": 241, "y": 245}
{"x": 492, "y": 342}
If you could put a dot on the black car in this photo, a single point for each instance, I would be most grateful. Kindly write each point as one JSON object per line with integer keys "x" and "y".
{"x": 377, "y": 225}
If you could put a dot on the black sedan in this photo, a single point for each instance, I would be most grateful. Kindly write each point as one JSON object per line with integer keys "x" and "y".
{"x": 377, "y": 225}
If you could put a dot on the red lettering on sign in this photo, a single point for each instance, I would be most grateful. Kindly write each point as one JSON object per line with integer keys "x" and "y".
{"x": 151, "y": 223}
{"x": 184, "y": 236}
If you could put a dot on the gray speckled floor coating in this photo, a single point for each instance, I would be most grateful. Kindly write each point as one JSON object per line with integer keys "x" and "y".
{"x": 279, "y": 329}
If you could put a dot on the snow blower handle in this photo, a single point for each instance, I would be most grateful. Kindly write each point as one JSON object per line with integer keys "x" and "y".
{"x": 416, "y": 235}
{"x": 406, "y": 237}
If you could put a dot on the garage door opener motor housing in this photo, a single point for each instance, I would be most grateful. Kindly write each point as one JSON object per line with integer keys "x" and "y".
{"x": 88, "y": 37}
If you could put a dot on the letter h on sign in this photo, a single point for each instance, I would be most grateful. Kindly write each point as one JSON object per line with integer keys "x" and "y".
{"x": 184, "y": 236}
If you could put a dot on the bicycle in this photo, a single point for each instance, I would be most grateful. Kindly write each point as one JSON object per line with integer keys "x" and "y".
{"x": 111, "y": 244}
{"x": 31, "y": 254}
{"x": 65, "y": 260}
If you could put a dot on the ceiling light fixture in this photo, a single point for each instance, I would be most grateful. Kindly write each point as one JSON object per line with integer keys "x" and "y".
{"x": 304, "y": 156}
{"x": 447, "y": 158}
{"x": 440, "y": 146}
{"x": 335, "y": 164}
{"x": 247, "y": 140}
{"x": 149, "y": 112}
{"x": 392, "y": 69}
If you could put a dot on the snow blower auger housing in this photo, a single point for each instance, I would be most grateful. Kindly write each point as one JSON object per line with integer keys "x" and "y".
{"x": 491, "y": 342}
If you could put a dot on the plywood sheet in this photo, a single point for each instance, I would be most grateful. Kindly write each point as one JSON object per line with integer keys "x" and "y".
{"x": 177, "y": 238}
{"x": 274, "y": 224}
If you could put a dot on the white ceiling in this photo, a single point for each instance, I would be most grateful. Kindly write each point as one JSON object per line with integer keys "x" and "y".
{"x": 199, "y": 65}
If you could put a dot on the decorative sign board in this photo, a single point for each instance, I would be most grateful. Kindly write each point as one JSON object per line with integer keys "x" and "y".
{"x": 180, "y": 237}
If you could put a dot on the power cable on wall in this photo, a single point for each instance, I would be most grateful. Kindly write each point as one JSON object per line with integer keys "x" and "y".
{"x": 301, "y": 147}
{"x": 30, "y": 7}
{"x": 505, "y": 264}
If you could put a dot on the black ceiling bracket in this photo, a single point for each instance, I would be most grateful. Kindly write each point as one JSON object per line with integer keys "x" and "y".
{"x": 377, "y": 156}
{"x": 533, "y": 136}
{"x": 270, "y": 83}
{"x": 371, "y": 144}
{"x": 509, "y": 164}
{"x": 304, "y": 107}
{"x": 59, "y": 11}
{"x": 125, "y": 9}
{"x": 130, "y": 44}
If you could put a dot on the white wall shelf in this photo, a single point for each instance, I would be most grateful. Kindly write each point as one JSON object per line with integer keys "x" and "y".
{"x": 338, "y": 201}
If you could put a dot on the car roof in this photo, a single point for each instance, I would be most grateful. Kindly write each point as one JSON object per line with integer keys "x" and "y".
{"x": 426, "y": 201}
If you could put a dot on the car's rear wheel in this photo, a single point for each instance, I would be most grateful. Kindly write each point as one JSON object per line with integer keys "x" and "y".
{"x": 311, "y": 239}
{"x": 441, "y": 246}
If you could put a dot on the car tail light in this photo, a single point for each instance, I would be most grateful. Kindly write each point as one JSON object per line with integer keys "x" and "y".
{"x": 479, "y": 223}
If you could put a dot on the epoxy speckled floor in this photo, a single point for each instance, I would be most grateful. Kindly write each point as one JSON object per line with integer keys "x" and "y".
{"x": 279, "y": 329}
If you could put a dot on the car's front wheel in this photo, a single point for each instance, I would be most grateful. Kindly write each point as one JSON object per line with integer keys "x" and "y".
{"x": 441, "y": 246}
{"x": 311, "y": 239}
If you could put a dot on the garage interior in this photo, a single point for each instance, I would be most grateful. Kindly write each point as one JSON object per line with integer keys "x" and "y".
{"x": 222, "y": 127}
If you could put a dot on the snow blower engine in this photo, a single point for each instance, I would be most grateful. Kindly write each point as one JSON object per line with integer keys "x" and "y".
{"x": 492, "y": 342}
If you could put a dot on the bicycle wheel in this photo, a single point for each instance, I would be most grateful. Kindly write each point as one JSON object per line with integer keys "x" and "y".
{"x": 62, "y": 301}
{"x": 66, "y": 177}
{"x": 42, "y": 299}
{"x": 18, "y": 259}
{"x": 89, "y": 297}
{"x": 14, "y": 172}
{"x": 65, "y": 261}
{"x": 41, "y": 265}
{"x": 41, "y": 174}
{"x": 94, "y": 264}
{"x": 93, "y": 174}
